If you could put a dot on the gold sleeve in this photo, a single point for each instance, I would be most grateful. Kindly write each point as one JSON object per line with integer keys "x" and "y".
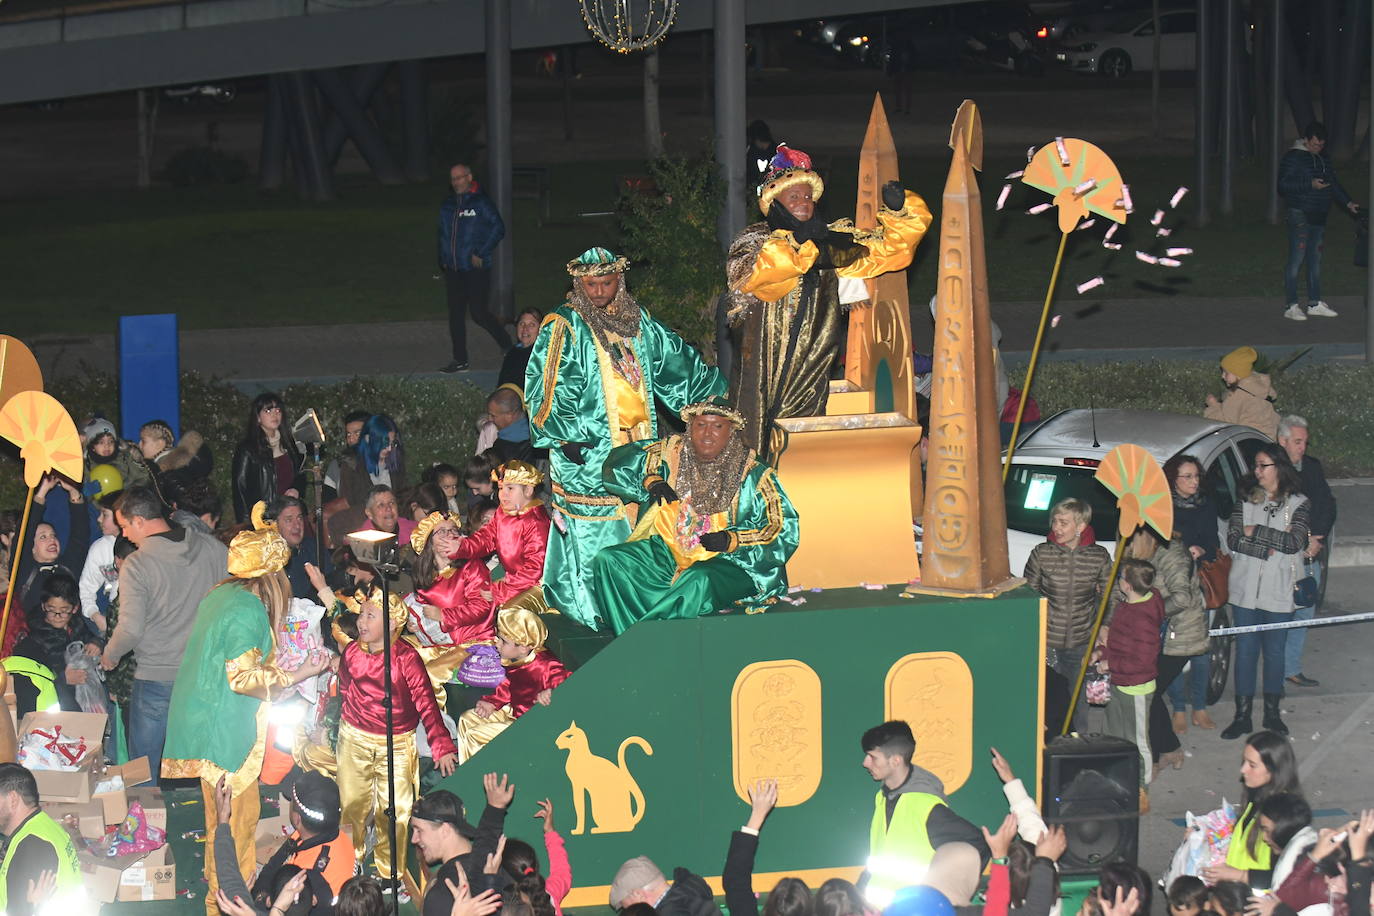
{"x": 778, "y": 267}
{"x": 892, "y": 244}
{"x": 249, "y": 676}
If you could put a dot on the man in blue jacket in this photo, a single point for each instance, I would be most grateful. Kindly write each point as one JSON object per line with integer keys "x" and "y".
{"x": 1307, "y": 183}
{"x": 469, "y": 230}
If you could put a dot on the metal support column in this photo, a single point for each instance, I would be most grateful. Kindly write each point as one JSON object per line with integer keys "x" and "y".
{"x": 1274, "y": 141}
{"x": 415, "y": 118}
{"x": 1202, "y": 110}
{"x": 1369, "y": 269}
{"x": 730, "y": 114}
{"x": 1228, "y": 106}
{"x": 499, "y": 152}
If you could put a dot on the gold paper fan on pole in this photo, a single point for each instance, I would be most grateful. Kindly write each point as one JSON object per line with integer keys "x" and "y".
{"x": 1081, "y": 178}
{"x": 18, "y": 368}
{"x": 1142, "y": 492}
{"x": 45, "y": 434}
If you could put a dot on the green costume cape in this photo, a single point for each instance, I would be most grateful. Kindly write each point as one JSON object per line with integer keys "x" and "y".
{"x": 566, "y": 384}
{"x": 206, "y": 719}
{"x": 635, "y": 581}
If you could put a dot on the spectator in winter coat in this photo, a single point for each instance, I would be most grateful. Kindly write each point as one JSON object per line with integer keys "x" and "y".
{"x": 1321, "y": 504}
{"x": 469, "y": 231}
{"x": 1129, "y": 650}
{"x": 1249, "y": 399}
{"x": 1307, "y": 183}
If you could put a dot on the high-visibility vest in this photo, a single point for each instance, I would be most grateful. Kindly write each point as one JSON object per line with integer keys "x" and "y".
{"x": 1238, "y": 852}
{"x": 51, "y": 832}
{"x": 898, "y": 851}
{"x": 42, "y": 678}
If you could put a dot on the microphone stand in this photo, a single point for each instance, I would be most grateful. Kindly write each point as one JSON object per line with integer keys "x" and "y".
{"x": 316, "y": 472}
{"x": 385, "y": 571}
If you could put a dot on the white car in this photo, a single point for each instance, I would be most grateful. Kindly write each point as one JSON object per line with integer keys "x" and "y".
{"x": 1128, "y": 45}
{"x": 1058, "y": 459}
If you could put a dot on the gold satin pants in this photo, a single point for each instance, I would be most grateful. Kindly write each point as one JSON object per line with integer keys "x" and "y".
{"x": 362, "y": 792}
{"x": 474, "y": 732}
{"x": 440, "y": 663}
{"x": 244, "y": 809}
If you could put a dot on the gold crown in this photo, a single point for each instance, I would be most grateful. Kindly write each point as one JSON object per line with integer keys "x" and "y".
{"x": 716, "y": 406}
{"x": 420, "y": 536}
{"x": 781, "y": 181}
{"x": 518, "y": 472}
{"x": 597, "y": 262}
{"x": 258, "y": 552}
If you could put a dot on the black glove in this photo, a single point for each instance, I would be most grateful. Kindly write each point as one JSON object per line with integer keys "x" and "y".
{"x": 661, "y": 492}
{"x": 894, "y": 195}
{"x": 813, "y": 230}
{"x": 716, "y": 541}
{"x": 573, "y": 451}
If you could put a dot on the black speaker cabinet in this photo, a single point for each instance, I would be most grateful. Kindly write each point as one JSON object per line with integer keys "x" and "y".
{"x": 1092, "y": 787}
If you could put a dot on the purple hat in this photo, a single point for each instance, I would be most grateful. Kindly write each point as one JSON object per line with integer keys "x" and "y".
{"x": 482, "y": 668}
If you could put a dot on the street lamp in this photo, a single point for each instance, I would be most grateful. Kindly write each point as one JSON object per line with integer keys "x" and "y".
{"x": 377, "y": 549}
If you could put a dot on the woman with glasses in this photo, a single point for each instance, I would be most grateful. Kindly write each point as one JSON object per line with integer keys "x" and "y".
{"x": 1195, "y": 524}
{"x": 267, "y": 463}
{"x": 54, "y": 624}
{"x": 1266, "y": 536}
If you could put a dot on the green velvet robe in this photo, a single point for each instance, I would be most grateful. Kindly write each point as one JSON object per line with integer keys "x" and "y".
{"x": 639, "y": 580}
{"x": 567, "y": 382}
{"x": 207, "y": 720}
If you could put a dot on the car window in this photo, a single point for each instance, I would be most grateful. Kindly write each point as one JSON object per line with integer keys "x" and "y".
{"x": 1223, "y": 479}
{"x": 1145, "y": 30}
{"x": 1179, "y": 23}
{"x": 1031, "y": 490}
{"x": 1248, "y": 449}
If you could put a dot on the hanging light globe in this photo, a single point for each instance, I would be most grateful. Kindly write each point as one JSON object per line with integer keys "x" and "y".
{"x": 629, "y": 25}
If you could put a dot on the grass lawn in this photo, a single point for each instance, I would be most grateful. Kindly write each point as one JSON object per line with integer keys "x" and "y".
{"x": 233, "y": 257}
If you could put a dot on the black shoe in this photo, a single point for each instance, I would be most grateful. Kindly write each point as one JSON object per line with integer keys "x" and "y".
{"x": 1242, "y": 724}
{"x": 1302, "y": 680}
{"x": 1271, "y": 714}
{"x": 455, "y": 366}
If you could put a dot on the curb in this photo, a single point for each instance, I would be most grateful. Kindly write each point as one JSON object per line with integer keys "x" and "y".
{"x": 1352, "y": 550}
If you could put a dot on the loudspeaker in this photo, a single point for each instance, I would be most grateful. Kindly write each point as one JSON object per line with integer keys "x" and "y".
{"x": 307, "y": 429}
{"x": 1092, "y": 788}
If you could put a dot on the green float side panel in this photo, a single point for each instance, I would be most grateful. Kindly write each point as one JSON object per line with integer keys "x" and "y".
{"x": 673, "y": 685}
{"x": 884, "y": 399}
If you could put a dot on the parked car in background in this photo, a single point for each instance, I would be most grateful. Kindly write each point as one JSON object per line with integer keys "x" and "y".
{"x": 1004, "y": 35}
{"x": 1128, "y": 44}
{"x": 219, "y": 93}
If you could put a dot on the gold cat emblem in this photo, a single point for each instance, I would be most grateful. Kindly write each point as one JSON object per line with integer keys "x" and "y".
{"x": 617, "y": 802}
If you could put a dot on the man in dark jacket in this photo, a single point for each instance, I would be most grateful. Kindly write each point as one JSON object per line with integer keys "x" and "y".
{"x": 469, "y": 230}
{"x": 641, "y": 881}
{"x": 1293, "y": 437}
{"x": 442, "y": 836}
{"x": 1307, "y": 183}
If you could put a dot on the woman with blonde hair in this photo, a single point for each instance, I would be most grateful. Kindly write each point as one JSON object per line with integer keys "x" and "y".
{"x": 214, "y": 723}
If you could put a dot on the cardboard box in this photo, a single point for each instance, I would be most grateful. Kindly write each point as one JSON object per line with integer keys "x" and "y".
{"x": 150, "y": 797}
{"x": 129, "y": 878}
{"x": 270, "y": 833}
{"x": 61, "y": 785}
{"x": 88, "y": 819}
{"x": 116, "y": 802}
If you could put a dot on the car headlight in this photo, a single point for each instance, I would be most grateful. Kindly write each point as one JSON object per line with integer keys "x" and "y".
{"x": 858, "y": 40}
{"x": 1087, "y": 46}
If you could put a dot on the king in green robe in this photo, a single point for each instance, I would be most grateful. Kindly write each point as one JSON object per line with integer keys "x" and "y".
{"x": 715, "y": 528}
{"x": 598, "y": 366}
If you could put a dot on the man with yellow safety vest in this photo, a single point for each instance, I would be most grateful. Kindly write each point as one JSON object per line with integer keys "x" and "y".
{"x": 37, "y": 846}
{"x": 911, "y": 817}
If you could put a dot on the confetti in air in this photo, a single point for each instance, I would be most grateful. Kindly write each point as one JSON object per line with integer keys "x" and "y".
{"x": 1030, "y": 153}
{"x": 1178, "y": 252}
{"x": 1157, "y": 218}
{"x": 1039, "y": 208}
{"x": 1163, "y": 232}
{"x": 1054, "y": 322}
{"x": 1002, "y": 198}
{"x": 1178, "y": 196}
{"x": 1111, "y": 231}
{"x": 1147, "y": 258}
{"x": 1063, "y": 150}
{"x": 1169, "y": 262}
{"x": 1112, "y": 246}
{"x": 1087, "y": 223}
{"x": 1094, "y": 283}
{"x": 1014, "y": 175}
{"x": 1085, "y": 187}
{"x": 1126, "y": 199}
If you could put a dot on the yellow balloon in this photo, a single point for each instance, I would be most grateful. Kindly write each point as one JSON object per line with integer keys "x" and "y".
{"x": 109, "y": 478}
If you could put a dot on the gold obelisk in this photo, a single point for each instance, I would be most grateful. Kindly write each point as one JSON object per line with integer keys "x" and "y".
{"x": 964, "y": 546}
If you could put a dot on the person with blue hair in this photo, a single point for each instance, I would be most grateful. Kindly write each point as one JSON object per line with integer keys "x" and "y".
{"x": 381, "y": 451}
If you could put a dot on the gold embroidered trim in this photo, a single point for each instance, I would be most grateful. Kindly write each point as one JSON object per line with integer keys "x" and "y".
{"x": 773, "y": 503}
{"x": 555, "y": 356}
{"x": 584, "y": 499}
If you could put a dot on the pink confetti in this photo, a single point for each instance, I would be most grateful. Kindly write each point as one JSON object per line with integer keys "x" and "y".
{"x": 1087, "y": 223}
{"x": 1002, "y": 198}
{"x": 1111, "y": 230}
{"x": 1147, "y": 258}
{"x": 1157, "y": 218}
{"x": 1030, "y": 153}
{"x": 1169, "y": 262}
{"x": 1163, "y": 232}
{"x": 1054, "y": 322}
{"x": 1063, "y": 150}
{"x": 1114, "y": 246}
{"x": 1178, "y": 195}
{"x": 1016, "y": 174}
{"x": 1039, "y": 208}
{"x": 1094, "y": 283}
{"x": 1178, "y": 252}
{"x": 1085, "y": 187}
{"x": 1126, "y": 199}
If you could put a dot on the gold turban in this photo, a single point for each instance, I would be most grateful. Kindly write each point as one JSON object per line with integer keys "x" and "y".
{"x": 420, "y": 536}
{"x": 517, "y": 472}
{"x": 522, "y": 627}
{"x": 597, "y": 262}
{"x": 258, "y": 552}
{"x": 716, "y": 406}
{"x": 397, "y": 610}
